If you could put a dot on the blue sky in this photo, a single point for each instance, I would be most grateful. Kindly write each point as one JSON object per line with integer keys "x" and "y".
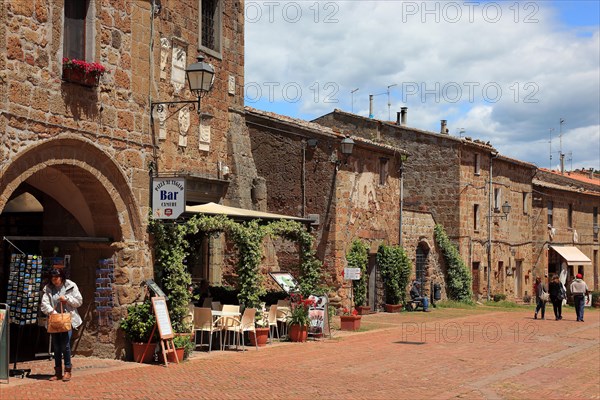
{"x": 502, "y": 71}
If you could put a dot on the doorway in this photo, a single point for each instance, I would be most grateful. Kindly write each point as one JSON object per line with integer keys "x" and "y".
{"x": 372, "y": 283}
{"x": 518, "y": 277}
{"x": 475, "y": 275}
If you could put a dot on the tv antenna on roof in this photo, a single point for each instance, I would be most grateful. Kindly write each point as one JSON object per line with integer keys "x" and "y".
{"x": 390, "y": 104}
{"x": 352, "y": 94}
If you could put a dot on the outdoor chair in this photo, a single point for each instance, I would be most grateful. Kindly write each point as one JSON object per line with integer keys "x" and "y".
{"x": 225, "y": 322}
{"x": 272, "y": 320}
{"x": 243, "y": 325}
{"x": 207, "y": 303}
{"x": 203, "y": 322}
{"x": 283, "y": 310}
{"x": 216, "y": 305}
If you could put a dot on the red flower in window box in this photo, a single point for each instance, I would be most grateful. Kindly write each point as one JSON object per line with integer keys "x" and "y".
{"x": 82, "y": 72}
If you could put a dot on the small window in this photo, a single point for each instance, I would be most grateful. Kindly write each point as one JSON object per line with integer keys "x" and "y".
{"x": 210, "y": 26}
{"x": 497, "y": 199}
{"x": 570, "y": 216}
{"x": 525, "y": 203}
{"x": 476, "y": 217}
{"x": 383, "y": 171}
{"x": 477, "y": 169}
{"x": 77, "y": 31}
{"x": 550, "y": 212}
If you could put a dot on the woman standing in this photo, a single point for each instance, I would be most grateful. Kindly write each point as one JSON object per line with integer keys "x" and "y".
{"x": 556, "y": 296}
{"x": 539, "y": 288}
{"x": 61, "y": 291}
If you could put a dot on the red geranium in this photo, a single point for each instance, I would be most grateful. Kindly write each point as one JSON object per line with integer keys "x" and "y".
{"x": 87, "y": 67}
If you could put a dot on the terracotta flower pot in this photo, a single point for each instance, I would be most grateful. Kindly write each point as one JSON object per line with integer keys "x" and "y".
{"x": 171, "y": 356}
{"x": 138, "y": 352}
{"x": 363, "y": 310}
{"x": 393, "y": 308}
{"x": 350, "y": 322}
{"x": 298, "y": 333}
{"x": 262, "y": 336}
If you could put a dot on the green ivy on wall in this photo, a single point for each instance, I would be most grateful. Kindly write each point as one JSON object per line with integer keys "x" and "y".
{"x": 358, "y": 257}
{"x": 171, "y": 249}
{"x": 459, "y": 279}
{"x": 395, "y": 268}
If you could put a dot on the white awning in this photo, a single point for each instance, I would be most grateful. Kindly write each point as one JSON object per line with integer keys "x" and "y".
{"x": 572, "y": 255}
{"x": 218, "y": 209}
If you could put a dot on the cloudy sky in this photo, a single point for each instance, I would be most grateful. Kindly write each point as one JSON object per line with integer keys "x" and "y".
{"x": 503, "y": 71}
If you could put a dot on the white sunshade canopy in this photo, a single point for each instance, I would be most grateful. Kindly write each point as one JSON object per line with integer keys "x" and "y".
{"x": 218, "y": 209}
{"x": 572, "y": 255}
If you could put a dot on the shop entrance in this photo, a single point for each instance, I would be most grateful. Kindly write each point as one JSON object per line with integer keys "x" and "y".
{"x": 66, "y": 201}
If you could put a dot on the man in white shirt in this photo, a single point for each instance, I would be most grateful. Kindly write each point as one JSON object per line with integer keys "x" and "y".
{"x": 579, "y": 289}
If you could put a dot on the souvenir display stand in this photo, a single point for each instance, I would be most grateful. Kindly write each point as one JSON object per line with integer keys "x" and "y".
{"x": 23, "y": 297}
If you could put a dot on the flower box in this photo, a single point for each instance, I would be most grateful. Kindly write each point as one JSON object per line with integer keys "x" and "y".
{"x": 350, "y": 322}
{"x": 393, "y": 308}
{"x": 363, "y": 310}
{"x": 82, "y": 72}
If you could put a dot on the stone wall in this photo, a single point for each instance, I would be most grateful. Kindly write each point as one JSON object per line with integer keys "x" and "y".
{"x": 89, "y": 148}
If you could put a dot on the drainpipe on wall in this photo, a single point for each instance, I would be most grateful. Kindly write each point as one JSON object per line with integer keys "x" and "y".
{"x": 303, "y": 178}
{"x": 401, "y": 170}
{"x": 489, "y": 217}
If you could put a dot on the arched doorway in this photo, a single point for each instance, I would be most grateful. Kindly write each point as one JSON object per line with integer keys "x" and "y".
{"x": 69, "y": 202}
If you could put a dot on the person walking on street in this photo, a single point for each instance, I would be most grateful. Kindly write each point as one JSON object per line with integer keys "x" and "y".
{"x": 61, "y": 291}
{"x": 579, "y": 289}
{"x": 556, "y": 296}
{"x": 540, "y": 289}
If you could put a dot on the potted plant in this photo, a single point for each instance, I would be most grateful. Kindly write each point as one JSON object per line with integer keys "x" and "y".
{"x": 298, "y": 319}
{"x": 358, "y": 258}
{"x": 138, "y": 326}
{"x": 82, "y": 72}
{"x": 183, "y": 347}
{"x": 596, "y": 299}
{"x": 395, "y": 270}
{"x": 261, "y": 328}
{"x": 349, "y": 320}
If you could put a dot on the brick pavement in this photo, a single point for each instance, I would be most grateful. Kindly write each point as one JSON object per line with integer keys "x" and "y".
{"x": 444, "y": 354}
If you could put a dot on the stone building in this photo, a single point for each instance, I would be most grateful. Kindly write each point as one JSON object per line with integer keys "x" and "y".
{"x": 77, "y": 153}
{"x": 449, "y": 178}
{"x": 348, "y": 196}
{"x": 565, "y": 229}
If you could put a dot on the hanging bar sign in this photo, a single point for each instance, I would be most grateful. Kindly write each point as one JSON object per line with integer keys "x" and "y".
{"x": 168, "y": 197}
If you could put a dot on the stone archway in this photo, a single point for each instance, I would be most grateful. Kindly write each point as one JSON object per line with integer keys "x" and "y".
{"x": 85, "y": 180}
{"x": 85, "y": 193}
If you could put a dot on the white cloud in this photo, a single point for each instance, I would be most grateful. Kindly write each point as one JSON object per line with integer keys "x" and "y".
{"x": 545, "y": 70}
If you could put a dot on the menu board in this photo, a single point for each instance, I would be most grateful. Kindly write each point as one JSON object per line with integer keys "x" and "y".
{"x": 318, "y": 315}
{"x": 162, "y": 317}
{"x": 23, "y": 291}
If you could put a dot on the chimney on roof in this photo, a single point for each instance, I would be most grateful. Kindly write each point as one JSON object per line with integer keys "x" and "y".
{"x": 591, "y": 173}
{"x": 398, "y": 118}
{"x": 371, "y": 106}
{"x": 443, "y": 128}
{"x": 403, "y": 115}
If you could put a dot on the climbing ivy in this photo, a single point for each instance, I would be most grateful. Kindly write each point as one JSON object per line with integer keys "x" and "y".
{"x": 310, "y": 279}
{"x": 395, "y": 270}
{"x": 458, "y": 279}
{"x": 170, "y": 272}
{"x": 358, "y": 257}
{"x": 171, "y": 246}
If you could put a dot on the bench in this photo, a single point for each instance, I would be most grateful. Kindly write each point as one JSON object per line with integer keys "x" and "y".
{"x": 414, "y": 305}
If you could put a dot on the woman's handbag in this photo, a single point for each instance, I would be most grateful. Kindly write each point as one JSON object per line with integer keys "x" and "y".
{"x": 545, "y": 296}
{"x": 60, "y": 322}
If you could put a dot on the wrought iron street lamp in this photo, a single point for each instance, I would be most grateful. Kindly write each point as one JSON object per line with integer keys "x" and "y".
{"x": 200, "y": 76}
